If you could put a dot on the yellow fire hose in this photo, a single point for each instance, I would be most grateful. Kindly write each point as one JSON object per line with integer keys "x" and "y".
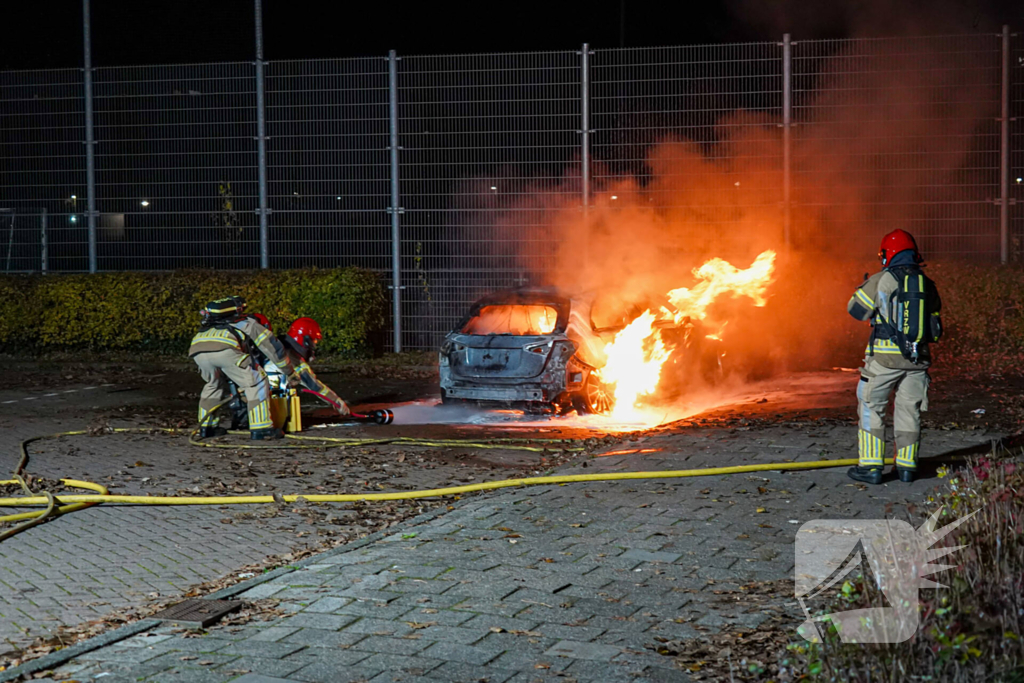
{"x": 69, "y": 503}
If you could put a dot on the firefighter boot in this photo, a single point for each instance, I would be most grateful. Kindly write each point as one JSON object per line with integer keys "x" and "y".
{"x": 210, "y": 432}
{"x": 261, "y": 434}
{"x": 868, "y": 475}
{"x": 906, "y": 474}
{"x": 239, "y": 409}
{"x": 239, "y": 414}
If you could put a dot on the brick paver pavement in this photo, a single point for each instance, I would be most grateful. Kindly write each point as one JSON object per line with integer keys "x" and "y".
{"x": 90, "y": 563}
{"x": 555, "y": 582}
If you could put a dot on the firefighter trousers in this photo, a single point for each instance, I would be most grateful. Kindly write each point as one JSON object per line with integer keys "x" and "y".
{"x": 217, "y": 368}
{"x": 876, "y": 384}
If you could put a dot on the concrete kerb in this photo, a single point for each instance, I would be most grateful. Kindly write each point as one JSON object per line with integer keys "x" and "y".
{"x": 59, "y": 657}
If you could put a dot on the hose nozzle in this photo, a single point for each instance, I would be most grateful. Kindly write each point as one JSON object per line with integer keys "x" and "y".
{"x": 381, "y": 417}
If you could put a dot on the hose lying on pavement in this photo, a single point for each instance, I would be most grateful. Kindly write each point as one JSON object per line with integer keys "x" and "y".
{"x": 55, "y": 507}
{"x": 52, "y": 509}
{"x": 70, "y": 503}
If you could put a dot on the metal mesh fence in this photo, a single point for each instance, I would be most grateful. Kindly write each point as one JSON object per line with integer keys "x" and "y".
{"x": 898, "y": 133}
{"x": 329, "y": 174}
{"x": 885, "y": 133}
{"x": 176, "y": 166}
{"x": 694, "y": 131}
{"x": 42, "y": 171}
{"x": 1016, "y": 169}
{"x": 488, "y": 143}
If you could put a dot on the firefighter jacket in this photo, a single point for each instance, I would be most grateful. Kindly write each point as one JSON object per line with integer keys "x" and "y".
{"x": 870, "y": 303}
{"x": 308, "y": 379}
{"x": 247, "y": 337}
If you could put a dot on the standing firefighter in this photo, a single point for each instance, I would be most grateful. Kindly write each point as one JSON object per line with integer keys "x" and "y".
{"x": 903, "y": 306}
{"x": 300, "y": 346}
{"x": 224, "y": 349}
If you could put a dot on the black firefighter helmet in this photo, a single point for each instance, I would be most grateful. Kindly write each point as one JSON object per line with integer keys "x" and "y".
{"x": 225, "y": 310}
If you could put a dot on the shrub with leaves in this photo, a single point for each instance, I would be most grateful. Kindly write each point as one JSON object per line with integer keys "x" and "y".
{"x": 982, "y": 307}
{"x": 160, "y": 311}
{"x": 970, "y": 631}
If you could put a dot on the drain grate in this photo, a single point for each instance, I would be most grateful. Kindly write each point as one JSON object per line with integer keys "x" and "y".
{"x": 198, "y": 613}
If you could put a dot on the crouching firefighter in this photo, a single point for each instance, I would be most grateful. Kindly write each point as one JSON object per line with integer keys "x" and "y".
{"x": 902, "y": 304}
{"x": 300, "y": 346}
{"x": 223, "y": 350}
{"x": 239, "y": 408}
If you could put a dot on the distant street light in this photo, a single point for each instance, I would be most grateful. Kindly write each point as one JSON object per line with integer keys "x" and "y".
{"x": 145, "y": 202}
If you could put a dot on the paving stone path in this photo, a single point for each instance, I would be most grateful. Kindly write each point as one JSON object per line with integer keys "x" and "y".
{"x": 556, "y": 582}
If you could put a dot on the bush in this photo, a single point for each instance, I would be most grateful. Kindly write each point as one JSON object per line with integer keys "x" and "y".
{"x": 982, "y": 307}
{"x": 160, "y": 311}
{"x": 971, "y": 631}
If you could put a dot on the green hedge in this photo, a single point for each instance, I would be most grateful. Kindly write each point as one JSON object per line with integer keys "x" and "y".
{"x": 982, "y": 307}
{"x": 160, "y": 311}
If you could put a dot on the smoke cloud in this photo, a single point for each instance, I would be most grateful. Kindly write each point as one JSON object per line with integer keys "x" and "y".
{"x": 885, "y": 134}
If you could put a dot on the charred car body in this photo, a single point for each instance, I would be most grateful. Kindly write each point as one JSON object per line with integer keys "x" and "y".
{"x": 540, "y": 349}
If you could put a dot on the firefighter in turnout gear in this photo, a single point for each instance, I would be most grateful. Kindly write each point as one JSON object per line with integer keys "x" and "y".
{"x": 300, "y": 345}
{"x": 239, "y": 408}
{"x": 902, "y": 304}
{"x": 223, "y": 350}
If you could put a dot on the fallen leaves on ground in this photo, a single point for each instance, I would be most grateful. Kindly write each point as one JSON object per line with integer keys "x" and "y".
{"x": 737, "y": 654}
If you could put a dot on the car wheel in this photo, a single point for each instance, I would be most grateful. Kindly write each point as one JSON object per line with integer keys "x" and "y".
{"x": 594, "y": 398}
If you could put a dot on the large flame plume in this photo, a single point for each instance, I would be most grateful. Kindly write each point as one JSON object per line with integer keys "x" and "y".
{"x": 638, "y": 352}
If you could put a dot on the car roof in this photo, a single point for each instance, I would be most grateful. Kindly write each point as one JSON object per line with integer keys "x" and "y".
{"x": 525, "y": 295}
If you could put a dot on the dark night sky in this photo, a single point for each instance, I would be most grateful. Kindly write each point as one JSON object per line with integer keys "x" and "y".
{"x": 47, "y": 33}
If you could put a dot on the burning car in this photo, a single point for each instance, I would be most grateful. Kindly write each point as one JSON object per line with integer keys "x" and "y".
{"x": 542, "y": 349}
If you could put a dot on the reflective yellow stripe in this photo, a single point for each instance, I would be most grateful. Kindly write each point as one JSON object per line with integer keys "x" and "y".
{"x": 862, "y": 295}
{"x": 259, "y": 416}
{"x": 216, "y": 336}
{"x": 871, "y": 449}
{"x": 883, "y": 346}
{"x": 906, "y": 457}
{"x": 241, "y": 360}
{"x": 259, "y": 339}
{"x": 920, "y": 311}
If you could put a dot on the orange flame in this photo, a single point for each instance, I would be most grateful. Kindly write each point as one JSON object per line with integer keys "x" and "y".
{"x": 638, "y": 352}
{"x": 634, "y": 364}
{"x": 720, "y": 277}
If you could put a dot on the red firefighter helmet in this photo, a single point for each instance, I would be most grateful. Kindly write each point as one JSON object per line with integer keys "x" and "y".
{"x": 895, "y": 242}
{"x": 263, "y": 320}
{"x": 304, "y": 333}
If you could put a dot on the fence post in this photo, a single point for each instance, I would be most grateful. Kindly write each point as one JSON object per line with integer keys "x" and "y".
{"x": 395, "y": 209}
{"x": 585, "y": 124}
{"x": 90, "y": 140}
{"x": 1004, "y": 154}
{"x": 787, "y": 115}
{"x": 261, "y": 141}
{"x": 44, "y": 254}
